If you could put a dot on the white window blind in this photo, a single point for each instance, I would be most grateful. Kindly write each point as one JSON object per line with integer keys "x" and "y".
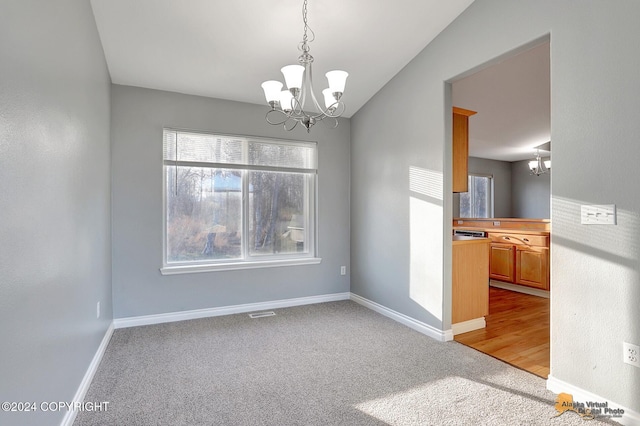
{"x": 250, "y": 153}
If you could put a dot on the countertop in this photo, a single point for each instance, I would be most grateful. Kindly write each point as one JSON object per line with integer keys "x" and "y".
{"x": 505, "y": 225}
{"x": 463, "y": 239}
{"x": 504, "y": 230}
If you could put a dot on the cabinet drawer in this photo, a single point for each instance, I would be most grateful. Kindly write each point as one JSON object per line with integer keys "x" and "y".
{"x": 520, "y": 239}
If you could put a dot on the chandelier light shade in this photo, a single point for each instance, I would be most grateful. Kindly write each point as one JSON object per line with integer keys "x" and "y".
{"x": 293, "y": 76}
{"x": 337, "y": 79}
{"x": 288, "y": 106}
{"x": 272, "y": 90}
{"x": 539, "y": 167}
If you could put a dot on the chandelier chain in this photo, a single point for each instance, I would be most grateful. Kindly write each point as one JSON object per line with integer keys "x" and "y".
{"x": 304, "y": 45}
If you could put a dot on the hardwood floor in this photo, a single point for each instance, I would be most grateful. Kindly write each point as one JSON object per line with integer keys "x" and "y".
{"x": 517, "y": 331}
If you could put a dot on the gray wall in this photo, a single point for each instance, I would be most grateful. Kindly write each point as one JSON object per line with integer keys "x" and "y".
{"x": 501, "y": 172}
{"x": 516, "y": 192}
{"x": 531, "y": 194}
{"x": 138, "y": 117}
{"x": 55, "y": 258}
{"x": 400, "y": 247}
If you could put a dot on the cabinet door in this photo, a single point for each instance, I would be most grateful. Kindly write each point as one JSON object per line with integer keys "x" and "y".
{"x": 532, "y": 267}
{"x": 460, "y": 152}
{"x": 501, "y": 262}
{"x": 470, "y": 282}
{"x": 460, "y": 149}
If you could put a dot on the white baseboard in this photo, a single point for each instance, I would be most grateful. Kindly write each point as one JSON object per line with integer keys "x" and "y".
{"x": 465, "y": 326}
{"x": 419, "y": 326}
{"x": 70, "y": 415}
{"x": 225, "y": 310}
{"x": 519, "y": 288}
{"x": 629, "y": 418}
{"x": 448, "y": 335}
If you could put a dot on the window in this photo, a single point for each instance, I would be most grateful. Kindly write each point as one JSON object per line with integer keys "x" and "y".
{"x": 235, "y": 202}
{"x": 478, "y": 202}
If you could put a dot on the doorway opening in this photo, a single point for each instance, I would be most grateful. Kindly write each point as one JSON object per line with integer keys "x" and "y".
{"x": 512, "y": 101}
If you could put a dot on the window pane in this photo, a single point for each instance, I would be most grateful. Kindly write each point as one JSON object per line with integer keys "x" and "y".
{"x": 477, "y": 202}
{"x": 278, "y": 213}
{"x": 465, "y": 204}
{"x": 232, "y": 199}
{"x": 481, "y": 196}
{"x": 204, "y": 214}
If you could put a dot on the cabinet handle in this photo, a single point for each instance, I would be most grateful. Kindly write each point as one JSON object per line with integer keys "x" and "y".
{"x": 507, "y": 238}
{"x": 526, "y": 239}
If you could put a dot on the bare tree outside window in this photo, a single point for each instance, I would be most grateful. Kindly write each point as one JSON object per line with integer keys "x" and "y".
{"x": 204, "y": 213}
{"x": 277, "y": 203}
{"x": 237, "y": 199}
{"x": 478, "y": 201}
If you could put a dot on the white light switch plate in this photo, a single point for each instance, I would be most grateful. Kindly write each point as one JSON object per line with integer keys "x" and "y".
{"x": 604, "y": 214}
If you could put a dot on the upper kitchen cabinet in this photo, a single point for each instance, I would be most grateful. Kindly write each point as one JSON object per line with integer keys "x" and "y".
{"x": 461, "y": 148}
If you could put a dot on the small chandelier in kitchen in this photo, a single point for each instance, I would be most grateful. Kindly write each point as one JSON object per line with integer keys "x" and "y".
{"x": 539, "y": 167}
{"x": 287, "y": 106}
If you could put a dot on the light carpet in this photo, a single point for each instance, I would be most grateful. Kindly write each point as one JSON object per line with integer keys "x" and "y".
{"x": 334, "y": 363}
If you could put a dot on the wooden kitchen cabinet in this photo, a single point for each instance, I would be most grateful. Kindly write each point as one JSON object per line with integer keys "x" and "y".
{"x": 520, "y": 259}
{"x": 460, "y": 149}
{"x": 502, "y": 262}
{"x": 532, "y": 266}
{"x": 470, "y": 279}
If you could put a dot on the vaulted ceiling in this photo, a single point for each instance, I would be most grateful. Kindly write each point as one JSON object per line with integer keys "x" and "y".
{"x": 226, "y": 49}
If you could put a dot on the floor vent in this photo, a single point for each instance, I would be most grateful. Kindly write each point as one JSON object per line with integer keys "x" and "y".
{"x": 262, "y": 314}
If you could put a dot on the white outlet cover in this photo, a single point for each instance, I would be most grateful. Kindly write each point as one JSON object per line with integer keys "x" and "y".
{"x": 631, "y": 354}
{"x": 601, "y": 214}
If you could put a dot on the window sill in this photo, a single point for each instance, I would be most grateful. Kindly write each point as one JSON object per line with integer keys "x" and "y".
{"x": 192, "y": 269}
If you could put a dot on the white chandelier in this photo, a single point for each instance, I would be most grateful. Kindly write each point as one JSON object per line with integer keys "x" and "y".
{"x": 287, "y": 106}
{"x": 539, "y": 167}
